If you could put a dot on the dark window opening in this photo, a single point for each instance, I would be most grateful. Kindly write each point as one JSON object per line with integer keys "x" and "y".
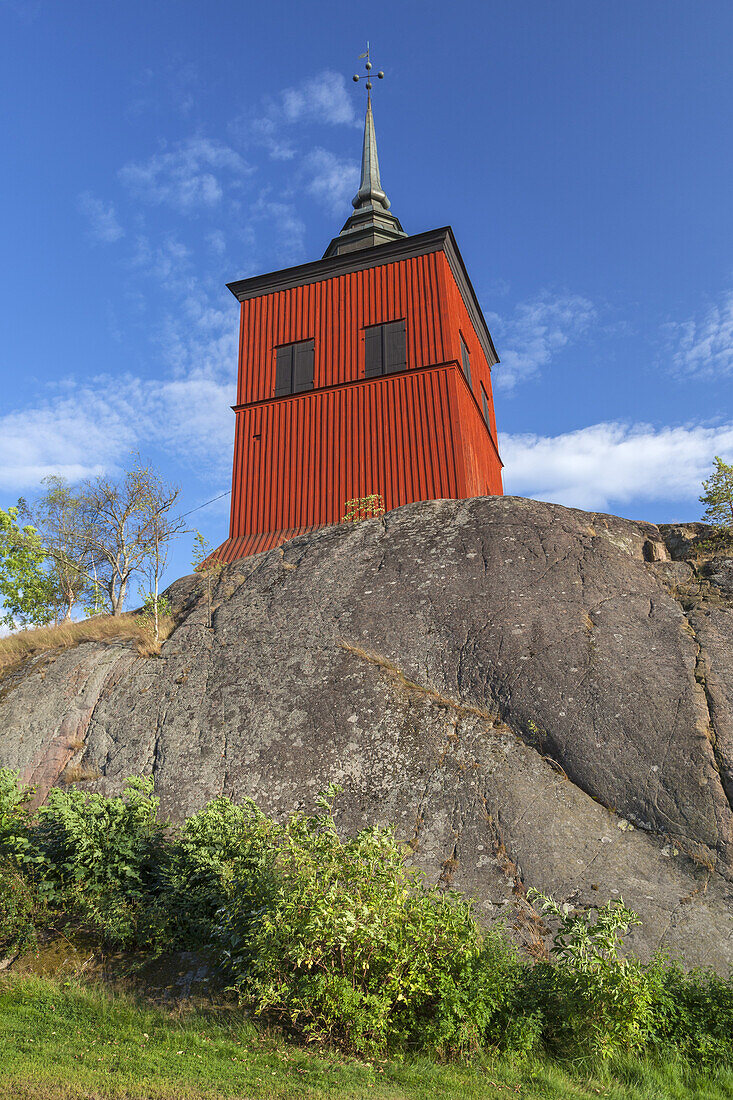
{"x": 466, "y": 362}
{"x": 294, "y": 366}
{"x": 485, "y": 404}
{"x": 384, "y": 349}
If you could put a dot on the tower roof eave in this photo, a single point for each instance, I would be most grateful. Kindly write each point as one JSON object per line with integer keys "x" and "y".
{"x": 392, "y": 251}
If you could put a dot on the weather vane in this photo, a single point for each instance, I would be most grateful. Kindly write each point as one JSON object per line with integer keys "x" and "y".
{"x": 368, "y": 68}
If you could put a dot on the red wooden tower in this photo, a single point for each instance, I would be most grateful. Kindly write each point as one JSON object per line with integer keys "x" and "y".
{"x": 365, "y": 372}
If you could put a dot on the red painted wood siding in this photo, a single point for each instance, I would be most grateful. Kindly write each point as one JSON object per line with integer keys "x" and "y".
{"x": 419, "y": 435}
{"x": 480, "y": 458}
{"x": 391, "y": 435}
{"x": 334, "y": 313}
{"x": 460, "y": 325}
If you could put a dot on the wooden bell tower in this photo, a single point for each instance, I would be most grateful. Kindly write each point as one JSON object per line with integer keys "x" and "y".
{"x": 366, "y": 372}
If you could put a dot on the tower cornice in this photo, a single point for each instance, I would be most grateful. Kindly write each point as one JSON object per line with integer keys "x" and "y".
{"x": 420, "y": 244}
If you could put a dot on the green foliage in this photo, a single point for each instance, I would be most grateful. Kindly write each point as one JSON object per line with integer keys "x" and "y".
{"x": 149, "y": 607}
{"x": 100, "y": 855}
{"x": 215, "y": 853}
{"x": 73, "y": 1040}
{"x": 718, "y": 495}
{"x": 337, "y": 939}
{"x": 693, "y": 1016}
{"x": 363, "y": 508}
{"x": 15, "y": 843}
{"x": 26, "y": 590}
{"x": 59, "y": 515}
{"x": 718, "y": 501}
{"x": 341, "y": 941}
{"x": 207, "y": 566}
{"x": 596, "y": 1001}
{"x": 19, "y": 910}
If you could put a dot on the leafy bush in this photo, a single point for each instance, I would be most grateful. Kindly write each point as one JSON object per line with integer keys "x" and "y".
{"x": 693, "y": 1016}
{"x": 18, "y": 910}
{"x": 100, "y": 856}
{"x": 215, "y": 851}
{"x": 596, "y": 1002}
{"x": 15, "y": 844}
{"x": 339, "y": 940}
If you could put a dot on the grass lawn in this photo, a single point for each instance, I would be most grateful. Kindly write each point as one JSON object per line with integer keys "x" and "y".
{"x": 78, "y": 1042}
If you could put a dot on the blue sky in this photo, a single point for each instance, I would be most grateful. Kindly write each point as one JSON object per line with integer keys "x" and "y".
{"x": 581, "y": 151}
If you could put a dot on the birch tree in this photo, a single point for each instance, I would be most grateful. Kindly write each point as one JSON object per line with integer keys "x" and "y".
{"x": 156, "y": 499}
{"x": 127, "y": 524}
{"x": 59, "y": 515}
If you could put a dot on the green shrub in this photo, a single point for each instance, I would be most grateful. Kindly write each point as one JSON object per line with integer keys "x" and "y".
{"x": 100, "y": 856}
{"x": 19, "y": 910}
{"x": 340, "y": 941}
{"x": 214, "y": 849}
{"x": 693, "y": 1016}
{"x": 595, "y": 1001}
{"x": 15, "y": 844}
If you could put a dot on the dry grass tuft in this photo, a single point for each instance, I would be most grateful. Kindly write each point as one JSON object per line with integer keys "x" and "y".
{"x": 102, "y": 628}
{"x": 75, "y": 773}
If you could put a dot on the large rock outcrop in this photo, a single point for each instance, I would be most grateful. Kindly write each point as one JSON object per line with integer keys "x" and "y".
{"x": 535, "y": 696}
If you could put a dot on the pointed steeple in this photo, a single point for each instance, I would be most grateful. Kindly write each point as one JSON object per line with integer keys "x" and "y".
{"x": 371, "y": 223}
{"x": 370, "y": 188}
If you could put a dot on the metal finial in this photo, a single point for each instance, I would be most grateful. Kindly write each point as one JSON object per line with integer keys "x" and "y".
{"x": 368, "y": 66}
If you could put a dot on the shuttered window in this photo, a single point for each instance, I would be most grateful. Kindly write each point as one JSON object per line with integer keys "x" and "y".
{"x": 485, "y": 404}
{"x": 385, "y": 349}
{"x": 466, "y": 362}
{"x": 294, "y": 364}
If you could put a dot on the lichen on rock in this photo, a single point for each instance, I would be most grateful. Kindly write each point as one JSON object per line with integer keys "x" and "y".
{"x": 533, "y": 695}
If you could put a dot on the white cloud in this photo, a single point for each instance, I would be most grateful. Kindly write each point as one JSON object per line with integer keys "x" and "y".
{"x": 288, "y": 228}
{"x": 325, "y": 98}
{"x": 593, "y": 466}
{"x": 75, "y": 434}
{"x": 217, "y": 242}
{"x": 331, "y": 179}
{"x": 82, "y": 429}
{"x": 536, "y": 331}
{"x": 704, "y": 347}
{"x": 103, "y": 224}
{"x": 190, "y": 176}
{"x": 168, "y": 261}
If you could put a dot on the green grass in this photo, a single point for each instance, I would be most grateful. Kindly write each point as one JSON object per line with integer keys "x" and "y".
{"x": 68, "y": 1041}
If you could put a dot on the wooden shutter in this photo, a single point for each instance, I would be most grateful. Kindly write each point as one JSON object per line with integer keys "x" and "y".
{"x": 373, "y": 352}
{"x": 466, "y": 358}
{"x": 284, "y": 371}
{"x": 303, "y": 365}
{"x": 485, "y": 404}
{"x": 395, "y": 355}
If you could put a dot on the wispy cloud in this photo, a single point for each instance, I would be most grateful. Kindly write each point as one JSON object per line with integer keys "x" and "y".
{"x": 286, "y": 228}
{"x": 167, "y": 261}
{"x": 187, "y": 177}
{"x": 324, "y": 98}
{"x": 703, "y": 347}
{"x": 83, "y": 428}
{"x": 171, "y": 86}
{"x": 623, "y": 463}
{"x": 331, "y": 179}
{"x": 75, "y": 434}
{"x": 103, "y": 224}
{"x": 529, "y": 338}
